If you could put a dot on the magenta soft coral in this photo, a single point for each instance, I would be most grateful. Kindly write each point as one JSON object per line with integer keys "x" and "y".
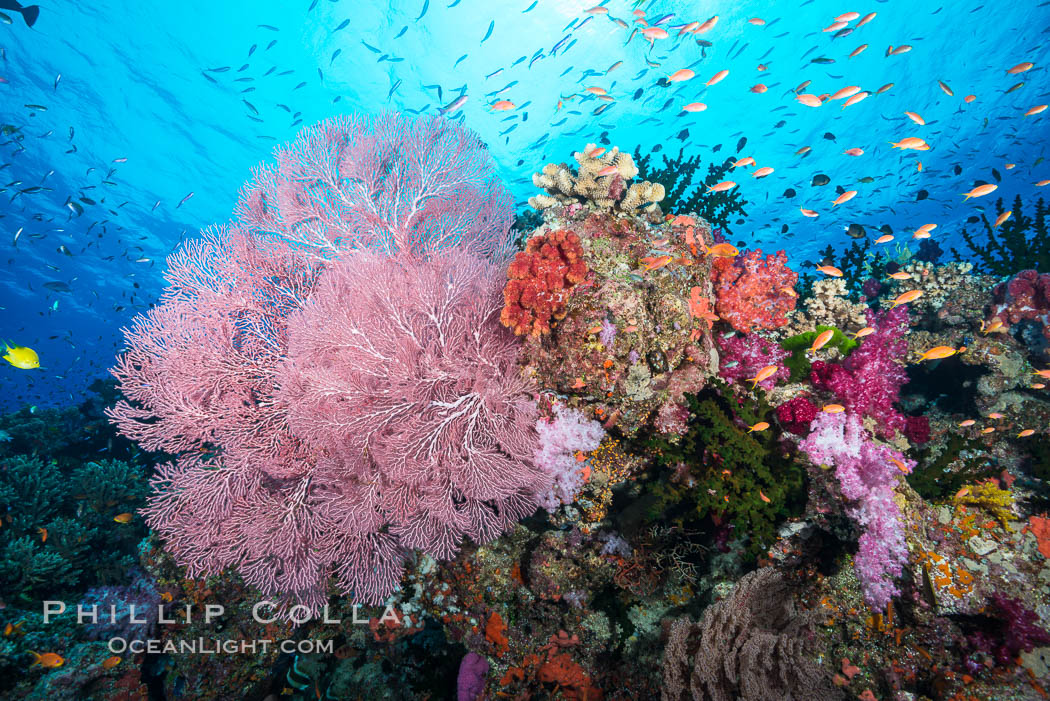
{"x": 796, "y": 414}
{"x": 1026, "y": 296}
{"x": 743, "y": 356}
{"x": 869, "y": 381}
{"x": 752, "y": 292}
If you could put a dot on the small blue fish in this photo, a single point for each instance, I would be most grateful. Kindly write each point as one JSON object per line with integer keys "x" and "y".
{"x": 426, "y": 6}
{"x": 492, "y": 25}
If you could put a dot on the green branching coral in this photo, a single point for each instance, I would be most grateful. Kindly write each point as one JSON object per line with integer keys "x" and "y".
{"x": 938, "y": 476}
{"x": 681, "y": 194}
{"x": 720, "y": 469}
{"x": 1019, "y": 243}
{"x": 799, "y": 363}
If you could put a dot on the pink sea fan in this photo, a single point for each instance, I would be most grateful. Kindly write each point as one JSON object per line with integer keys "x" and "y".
{"x": 389, "y": 183}
{"x": 404, "y": 383}
{"x": 867, "y": 474}
{"x": 245, "y": 368}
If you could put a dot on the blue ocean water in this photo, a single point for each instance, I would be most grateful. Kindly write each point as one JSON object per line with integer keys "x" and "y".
{"x": 114, "y": 113}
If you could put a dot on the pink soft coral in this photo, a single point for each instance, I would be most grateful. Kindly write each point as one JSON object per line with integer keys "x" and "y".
{"x": 869, "y": 381}
{"x": 742, "y": 356}
{"x": 1026, "y": 296}
{"x": 752, "y": 292}
{"x": 867, "y": 472}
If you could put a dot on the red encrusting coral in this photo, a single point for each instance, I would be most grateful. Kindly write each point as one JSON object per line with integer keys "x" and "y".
{"x": 539, "y": 279}
{"x": 752, "y": 292}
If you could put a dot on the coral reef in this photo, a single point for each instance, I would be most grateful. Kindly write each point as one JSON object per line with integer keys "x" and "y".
{"x": 684, "y": 193}
{"x": 1018, "y": 243}
{"x": 827, "y": 305}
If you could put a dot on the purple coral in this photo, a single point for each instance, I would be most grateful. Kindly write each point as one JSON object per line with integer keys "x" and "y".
{"x": 867, "y": 472}
{"x": 869, "y": 381}
{"x": 473, "y": 670}
{"x": 560, "y": 439}
{"x": 796, "y": 414}
{"x": 1015, "y": 630}
{"x": 744, "y": 355}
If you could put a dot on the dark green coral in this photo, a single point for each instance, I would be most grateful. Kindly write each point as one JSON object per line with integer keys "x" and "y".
{"x": 682, "y": 194}
{"x": 1019, "y": 243}
{"x": 719, "y": 457}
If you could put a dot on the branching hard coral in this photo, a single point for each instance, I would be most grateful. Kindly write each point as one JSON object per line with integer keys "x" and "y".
{"x": 753, "y": 645}
{"x": 1018, "y": 243}
{"x": 682, "y": 194}
{"x": 866, "y": 472}
{"x": 752, "y": 292}
{"x": 600, "y": 179}
{"x": 827, "y": 305}
{"x": 539, "y": 281}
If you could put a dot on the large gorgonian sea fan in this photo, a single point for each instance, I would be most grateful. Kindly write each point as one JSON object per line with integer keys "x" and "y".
{"x": 238, "y": 373}
{"x": 386, "y": 183}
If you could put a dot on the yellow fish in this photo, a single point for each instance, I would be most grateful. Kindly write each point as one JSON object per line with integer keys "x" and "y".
{"x": 830, "y": 270}
{"x": 123, "y": 518}
{"x": 834, "y": 408}
{"x": 21, "y": 357}
{"x": 760, "y": 426}
{"x": 866, "y": 331}
{"x": 48, "y": 659}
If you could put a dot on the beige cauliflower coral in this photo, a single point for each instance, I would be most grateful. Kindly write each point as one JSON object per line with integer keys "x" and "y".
{"x": 601, "y": 180}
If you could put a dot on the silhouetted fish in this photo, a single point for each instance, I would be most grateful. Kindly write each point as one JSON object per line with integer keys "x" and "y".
{"x": 819, "y": 180}
{"x": 922, "y": 194}
{"x": 29, "y": 12}
{"x": 855, "y": 231}
{"x": 789, "y": 193}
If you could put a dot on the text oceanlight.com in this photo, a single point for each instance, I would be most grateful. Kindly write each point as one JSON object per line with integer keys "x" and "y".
{"x": 212, "y": 646}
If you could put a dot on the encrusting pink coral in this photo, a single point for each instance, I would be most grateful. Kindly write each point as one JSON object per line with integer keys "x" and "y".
{"x": 743, "y": 356}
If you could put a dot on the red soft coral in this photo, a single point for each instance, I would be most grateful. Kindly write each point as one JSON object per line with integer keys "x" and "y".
{"x": 752, "y": 292}
{"x": 539, "y": 280}
{"x": 1026, "y": 296}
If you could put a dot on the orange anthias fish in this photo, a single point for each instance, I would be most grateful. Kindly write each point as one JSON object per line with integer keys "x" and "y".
{"x": 809, "y": 100}
{"x": 822, "y": 340}
{"x": 749, "y": 161}
{"x": 866, "y": 331}
{"x": 760, "y": 426}
{"x": 763, "y": 374}
{"x": 680, "y": 75}
{"x": 656, "y": 262}
{"x": 721, "y": 250}
{"x": 1002, "y": 218}
{"x": 885, "y": 238}
{"x": 916, "y": 118}
{"x": 1043, "y": 373}
{"x": 854, "y": 151}
{"x": 722, "y": 186}
{"x": 1021, "y": 68}
{"x": 110, "y": 662}
{"x": 833, "y": 408}
{"x": 607, "y": 170}
{"x": 938, "y": 352}
{"x": 1036, "y": 110}
{"x": 911, "y": 142}
{"x": 904, "y": 298}
{"x": 695, "y": 107}
{"x": 830, "y": 270}
{"x": 808, "y": 212}
{"x": 123, "y": 518}
{"x": 981, "y": 190}
{"x": 996, "y": 326}
{"x": 899, "y": 275}
{"x": 502, "y": 106}
{"x": 762, "y": 172}
{"x": 718, "y": 77}
{"x": 967, "y": 423}
{"x": 51, "y": 660}
{"x": 1025, "y": 433}
{"x": 844, "y": 197}
{"x": 900, "y": 466}
{"x": 763, "y": 497}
